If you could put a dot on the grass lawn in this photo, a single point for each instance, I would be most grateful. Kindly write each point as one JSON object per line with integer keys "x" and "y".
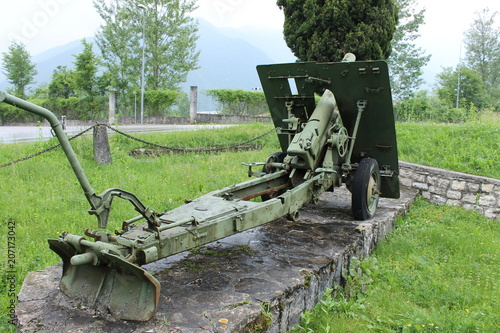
{"x": 42, "y": 197}
{"x": 437, "y": 272}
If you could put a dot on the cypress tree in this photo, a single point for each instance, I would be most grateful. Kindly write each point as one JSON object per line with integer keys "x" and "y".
{"x": 325, "y": 30}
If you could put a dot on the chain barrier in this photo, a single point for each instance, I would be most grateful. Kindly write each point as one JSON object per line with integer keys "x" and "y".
{"x": 191, "y": 150}
{"x": 206, "y": 149}
{"x": 45, "y": 150}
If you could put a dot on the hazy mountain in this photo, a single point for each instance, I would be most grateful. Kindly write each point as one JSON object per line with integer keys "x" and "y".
{"x": 270, "y": 42}
{"x": 228, "y": 57}
{"x": 58, "y": 56}
{"x": 47, "y": 61}
{"x": 225, "y": 61}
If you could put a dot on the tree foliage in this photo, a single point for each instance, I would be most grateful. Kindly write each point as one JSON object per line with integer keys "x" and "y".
{"x": 482, "y": 42}
{"x": 170, "y": 35}
{"x": 160, "y": 101}
{"x": 85, "y": 74}
{"x": 239, "y": 102}
{"x": 62, "y": 84}
{"x": 79, "y": 93}
{"x": 19, "y": 68}
{"x": 407, "y": 60}
{"x": 325, "y": 30}
{"x": 425, "y": 107}
{"x": 471, "y": 89}
{"x": 172, "y": 41}
{"x": 119, "y": 41}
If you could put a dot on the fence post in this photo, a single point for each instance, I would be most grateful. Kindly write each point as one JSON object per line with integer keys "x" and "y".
{"x": 112, "y": 106}
{"x": 193, "y": 104}
{"x": 102, "y": 153}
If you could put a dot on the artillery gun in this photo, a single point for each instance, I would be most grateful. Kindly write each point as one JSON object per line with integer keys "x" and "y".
{"x": 347, "y": 137}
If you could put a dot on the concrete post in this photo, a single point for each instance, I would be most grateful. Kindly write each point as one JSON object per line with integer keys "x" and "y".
{"x": 112, "y": 107}
{"x": 102, "y": 153}
{"x": 193, "y": 104}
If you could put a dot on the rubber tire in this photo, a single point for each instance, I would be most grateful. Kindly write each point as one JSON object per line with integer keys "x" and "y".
{"x": 364, "y": 199}
{"x": 278, "y": 158}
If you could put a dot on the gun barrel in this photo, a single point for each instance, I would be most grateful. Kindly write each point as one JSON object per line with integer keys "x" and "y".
{"x": 307, "y": 146}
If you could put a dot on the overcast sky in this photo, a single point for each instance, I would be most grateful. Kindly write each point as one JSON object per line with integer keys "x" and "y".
{"x": 43, "y": 24}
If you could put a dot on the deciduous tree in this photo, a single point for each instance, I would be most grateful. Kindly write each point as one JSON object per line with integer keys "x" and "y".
{"x": 170, "y": 35}
{"x": 472, "y": 92}
{"x": 19, "y": 68}
{"x": 482, "y": 42}
{"x": 119, "y": 41}
{"x": 85, "y": 74}
{"x": 407, "y": 59}
{"x": 62, "y": 84}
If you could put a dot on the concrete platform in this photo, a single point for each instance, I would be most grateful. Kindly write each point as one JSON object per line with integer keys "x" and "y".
{"x": 260, "y": 280}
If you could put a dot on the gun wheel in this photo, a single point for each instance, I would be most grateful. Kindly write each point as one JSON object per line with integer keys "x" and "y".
{"x": 342, "y": 142}
{"x": 366, "y": 189}
{"x": 277, "y": 157}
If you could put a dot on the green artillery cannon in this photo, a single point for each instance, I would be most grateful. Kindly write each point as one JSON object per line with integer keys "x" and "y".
{"x": 347, "y": 137}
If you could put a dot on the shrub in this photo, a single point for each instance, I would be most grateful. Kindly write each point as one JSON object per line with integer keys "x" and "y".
{"x": 239, "y": 102}
{"x": 423, "y": 107}
{"x": 159, "y": 102}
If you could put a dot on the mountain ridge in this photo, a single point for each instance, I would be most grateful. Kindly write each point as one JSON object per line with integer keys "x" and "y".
{"x": 228, "y": 57}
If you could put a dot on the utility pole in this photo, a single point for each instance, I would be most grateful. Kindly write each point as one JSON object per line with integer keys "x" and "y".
{"x": 459, "y": 76}
{"x": 143, "y": 8}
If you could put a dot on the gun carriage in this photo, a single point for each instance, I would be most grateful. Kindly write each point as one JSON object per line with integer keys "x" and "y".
{"x": 335, "y": 126}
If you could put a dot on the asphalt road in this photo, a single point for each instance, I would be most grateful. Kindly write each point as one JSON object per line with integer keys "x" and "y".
{"x": 16, "y": 134}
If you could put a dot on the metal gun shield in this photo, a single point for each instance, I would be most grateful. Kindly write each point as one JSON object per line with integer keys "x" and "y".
{"x": 123, "y": 289}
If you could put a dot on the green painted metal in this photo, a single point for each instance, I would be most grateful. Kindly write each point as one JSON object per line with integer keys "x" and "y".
{"x": 61, "y": 136}
{"x": 100, "y": 204}
{"x": 353, "y": 84}
{"x": 324, "y": 144}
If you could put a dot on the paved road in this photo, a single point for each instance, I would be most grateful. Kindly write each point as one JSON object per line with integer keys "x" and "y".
{"x": 16, "y": 134}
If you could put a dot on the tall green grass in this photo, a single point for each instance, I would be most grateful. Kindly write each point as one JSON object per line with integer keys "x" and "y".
{"x": 471, "y": 148}
{"x": 437, "y": 272}
{"x": 44, "y": 198}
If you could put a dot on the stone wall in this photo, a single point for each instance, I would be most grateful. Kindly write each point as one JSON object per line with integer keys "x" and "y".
{"x": 454, "y": 188}
{"x": 228, "y": 119}
{"x": 154, "y": 120}
{"x": 200, "y": 119}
